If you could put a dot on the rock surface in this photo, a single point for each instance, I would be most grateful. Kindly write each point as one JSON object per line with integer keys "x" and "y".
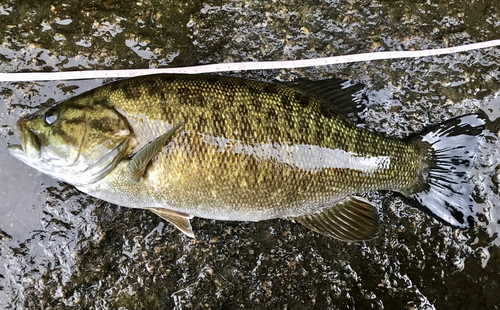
{"x": 60, "y": 249}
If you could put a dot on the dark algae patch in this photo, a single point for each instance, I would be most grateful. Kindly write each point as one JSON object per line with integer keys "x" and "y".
{"x": 60, "y": 249}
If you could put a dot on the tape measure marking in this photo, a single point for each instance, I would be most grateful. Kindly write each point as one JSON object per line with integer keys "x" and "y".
{"x": 240, "y": 66}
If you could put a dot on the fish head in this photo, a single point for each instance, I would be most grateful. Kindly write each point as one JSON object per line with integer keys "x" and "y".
{"x": 78, "y": 141}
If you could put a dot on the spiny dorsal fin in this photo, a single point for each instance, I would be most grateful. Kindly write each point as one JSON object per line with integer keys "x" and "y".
{"x": 179, "y": 220}
{"x": 354, "y": 219}
{"x": 336, "y": 94}
{"x": 141, "y": 159}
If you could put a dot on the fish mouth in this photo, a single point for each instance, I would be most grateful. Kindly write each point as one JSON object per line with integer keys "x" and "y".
{"x": 30, "y": 143}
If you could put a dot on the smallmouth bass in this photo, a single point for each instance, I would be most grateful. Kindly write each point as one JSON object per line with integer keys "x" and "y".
{"x": 223, "y": 148}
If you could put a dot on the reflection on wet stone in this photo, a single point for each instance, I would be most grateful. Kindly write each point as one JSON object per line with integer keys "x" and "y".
{"x": 61, "y": 249}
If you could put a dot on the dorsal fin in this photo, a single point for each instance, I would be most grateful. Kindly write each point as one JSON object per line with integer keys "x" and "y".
{"x": 354, "y": 219}
{"x": 141, "y": 159}
{"x": 336, "y": 94}
{"x": 179, "y": 220}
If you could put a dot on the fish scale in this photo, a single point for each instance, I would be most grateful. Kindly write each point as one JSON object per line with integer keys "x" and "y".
{"x": 213, "y": 176}
{"x": 235, "y": 149}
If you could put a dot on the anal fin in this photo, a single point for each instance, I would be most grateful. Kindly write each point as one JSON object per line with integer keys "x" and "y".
{"x": 179, "y": 220}
{"x": 354, "y": 219}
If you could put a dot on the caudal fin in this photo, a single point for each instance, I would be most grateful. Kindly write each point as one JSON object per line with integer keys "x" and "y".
{"x": 453, "y": 148}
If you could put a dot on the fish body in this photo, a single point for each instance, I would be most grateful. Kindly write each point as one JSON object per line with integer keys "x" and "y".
{"x": 225, "y": 148}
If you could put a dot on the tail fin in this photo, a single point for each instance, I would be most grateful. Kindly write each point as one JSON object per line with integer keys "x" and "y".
{"x": 453, "y": 147}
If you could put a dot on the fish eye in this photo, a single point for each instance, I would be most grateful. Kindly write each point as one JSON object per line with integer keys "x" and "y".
{"x": 49, "y": 117}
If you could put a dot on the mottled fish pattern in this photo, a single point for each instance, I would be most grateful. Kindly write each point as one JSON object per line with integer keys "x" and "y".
{"x": 244, "y": 150}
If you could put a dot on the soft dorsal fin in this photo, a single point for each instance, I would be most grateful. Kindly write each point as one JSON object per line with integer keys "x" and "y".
{"x": 179, "y": 220}
{"x": 336, "y": 94}
{"x": 141, "y": 159}
{"x": 354, "y": 219}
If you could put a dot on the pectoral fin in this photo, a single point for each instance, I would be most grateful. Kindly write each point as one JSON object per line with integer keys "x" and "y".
{"x": 141, "y": 159}
{"x": 179, "y": 220}
{"x": 354, "y": 219}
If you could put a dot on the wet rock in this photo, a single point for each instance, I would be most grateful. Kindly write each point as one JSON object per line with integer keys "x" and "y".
{"x": 60, "y": 249}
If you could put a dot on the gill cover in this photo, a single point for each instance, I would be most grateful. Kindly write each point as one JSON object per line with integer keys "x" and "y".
{"x": 78, "y": 141}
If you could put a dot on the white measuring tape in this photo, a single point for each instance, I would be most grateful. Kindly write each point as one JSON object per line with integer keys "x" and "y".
{"x": 240, "y": 66}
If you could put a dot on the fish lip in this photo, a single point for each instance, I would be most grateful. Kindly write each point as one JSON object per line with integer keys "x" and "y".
{"x": 24, "y": 133}
{"x": 17, "y": 151}
{"x": 15, "y": 148}
{"x": 21, "y": 129}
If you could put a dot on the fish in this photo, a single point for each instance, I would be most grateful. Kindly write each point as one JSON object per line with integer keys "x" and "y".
{"x": 235, "y": 149}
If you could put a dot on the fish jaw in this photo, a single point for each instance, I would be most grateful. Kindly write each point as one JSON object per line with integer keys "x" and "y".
{"x": 21, "y": 153}
{"x": 29, "y": 141}
{"x": 78, "y": 174}
{"x": 17, "y": 151}
{"x": 29, "y": 150}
